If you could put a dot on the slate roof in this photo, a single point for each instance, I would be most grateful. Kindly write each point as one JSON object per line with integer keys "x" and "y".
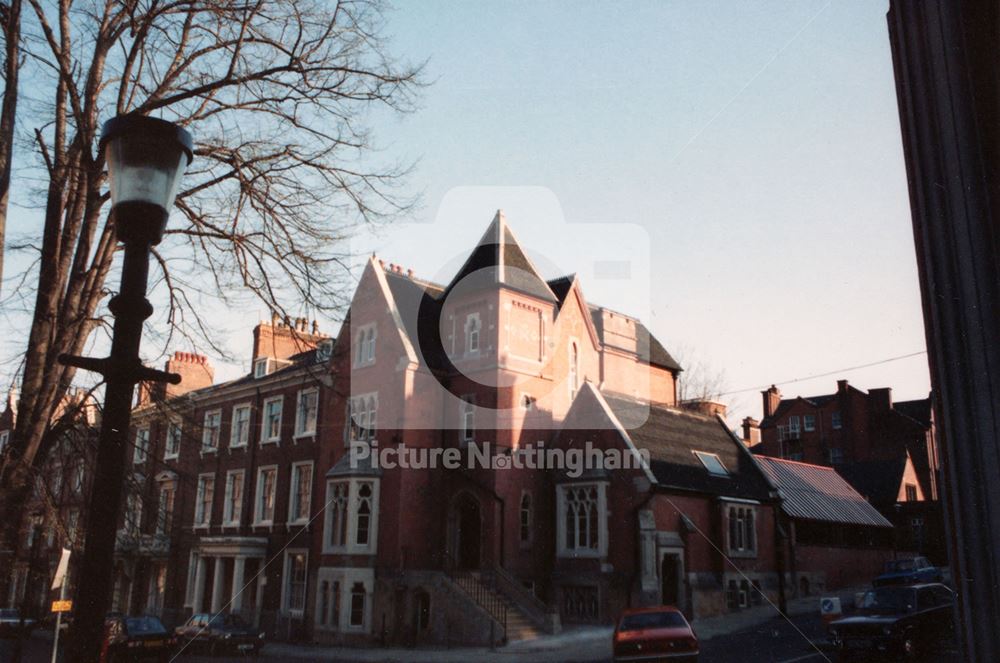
{"x": 918, "y": 410}
{"x": 649, "y": 349}
{"x": 418, "y": 303}
{"x": 560, "y": 287}
{"x": 877, "y": 480}
{"x": 819, "y": 494}
{"x": 672, "y": 436}
{"x": 498, "y": 259}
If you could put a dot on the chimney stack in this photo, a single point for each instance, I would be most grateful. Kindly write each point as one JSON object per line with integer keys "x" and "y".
{"x": 751, "y": 431}
{"x": 282, "y": 340}
{"x": 772, "y": 398}
{"x": 195, "y": 370}
{"x": 881, "y": 398}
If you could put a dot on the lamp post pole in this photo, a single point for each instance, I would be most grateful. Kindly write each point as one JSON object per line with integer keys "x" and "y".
{"x": 146, "y": 158}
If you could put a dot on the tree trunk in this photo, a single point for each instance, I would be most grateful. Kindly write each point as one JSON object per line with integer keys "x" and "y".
{"x": 12, "y": 38}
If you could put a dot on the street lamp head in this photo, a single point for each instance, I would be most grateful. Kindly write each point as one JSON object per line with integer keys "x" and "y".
{"x": 146, "y": 158}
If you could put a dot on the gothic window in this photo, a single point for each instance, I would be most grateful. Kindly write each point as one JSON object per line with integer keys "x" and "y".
{"x": 361, "y": 418}
{"x": 338, "y": 511}
{"x": 582, "y": 507}
{"x": 351, "y": 516}
{"x": 364, "y": 513}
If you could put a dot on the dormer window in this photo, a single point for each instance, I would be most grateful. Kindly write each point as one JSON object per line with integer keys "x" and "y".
{"x": 260, "y": 367}
{"x": 712, "y": 463}
{"x": 473, "y": 327}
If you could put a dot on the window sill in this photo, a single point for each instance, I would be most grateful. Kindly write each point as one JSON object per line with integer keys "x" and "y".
{"x": 208, "y": 450}
{"x": 172, "y": 457}
{"x": 743, "y": 554}
{"x": 275, "y": 441}
{"x": 204, "y": 526}
{"x": 579, "y": 554}
{"x": 242, "y": 445}
{"x": 304, "y": 435}
{"x": 301, "y": 522}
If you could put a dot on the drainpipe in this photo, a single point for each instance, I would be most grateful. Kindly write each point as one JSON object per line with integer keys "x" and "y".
{"x": 780, "y": 541}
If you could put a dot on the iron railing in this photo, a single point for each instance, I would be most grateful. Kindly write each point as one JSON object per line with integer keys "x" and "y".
{"x": 481, "y": 587}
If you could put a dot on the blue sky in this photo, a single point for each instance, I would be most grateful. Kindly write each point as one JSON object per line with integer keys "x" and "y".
{"x": 757, "y": 145}
{"x": 745, "y": 157}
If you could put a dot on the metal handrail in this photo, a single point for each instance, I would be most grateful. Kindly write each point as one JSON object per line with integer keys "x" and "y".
{"x": 481, "y": 587}
{"x": 531, "y": 605}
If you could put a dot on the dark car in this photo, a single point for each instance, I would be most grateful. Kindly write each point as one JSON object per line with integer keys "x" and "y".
{"x": 898, "y": 621}
{"x": 12, "y": 625}
{"x": 135, "y": 639}
{"x": 654, "y": 634}
{"x": 220, "y": 633}
{"x": 909, "y": 571}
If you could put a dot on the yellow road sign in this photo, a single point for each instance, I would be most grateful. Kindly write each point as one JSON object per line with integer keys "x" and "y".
{"x": 62, "y": 606}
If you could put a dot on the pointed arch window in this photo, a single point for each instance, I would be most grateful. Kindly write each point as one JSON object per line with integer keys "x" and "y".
{"x": 582, "y": 521}
{"x": 364, "y": 514}
{"x": 364, "y": 345}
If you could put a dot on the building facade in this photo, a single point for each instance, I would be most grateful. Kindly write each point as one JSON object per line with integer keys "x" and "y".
{"x": 848, "y": 426}
{"x": 412, "y": 479}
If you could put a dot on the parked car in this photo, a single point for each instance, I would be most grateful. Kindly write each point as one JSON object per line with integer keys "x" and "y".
{"x": 11, "y": 624}
{"x": 128, "y": 639}
{"x": 899, "y": 621}
{"x": 220, "y": 633}
{"x": 908, "y": 571}
{"x": 653, "y": 634}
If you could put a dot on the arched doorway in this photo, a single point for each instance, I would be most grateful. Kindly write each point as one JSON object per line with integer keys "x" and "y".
{"x": 467, "y": 521}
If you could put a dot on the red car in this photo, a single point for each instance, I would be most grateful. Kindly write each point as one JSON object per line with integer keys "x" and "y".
{"x": 655, "y": 634}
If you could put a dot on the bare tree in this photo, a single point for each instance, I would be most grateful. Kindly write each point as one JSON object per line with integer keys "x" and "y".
{"x": 276, "y": 94}
{"x": 700, "y": 381}
{"x": 10, "y": 25}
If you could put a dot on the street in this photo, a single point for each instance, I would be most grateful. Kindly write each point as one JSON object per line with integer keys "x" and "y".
{"x": 777, "y": 641}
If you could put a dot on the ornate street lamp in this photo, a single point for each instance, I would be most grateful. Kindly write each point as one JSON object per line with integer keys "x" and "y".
{"x": 146, "y": 158}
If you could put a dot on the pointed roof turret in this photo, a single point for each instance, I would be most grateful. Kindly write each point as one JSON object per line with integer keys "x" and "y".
{"x": 499, "y": 260}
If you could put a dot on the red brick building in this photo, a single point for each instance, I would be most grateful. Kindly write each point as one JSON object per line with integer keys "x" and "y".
{"x": 220, "y": 517}
{"x": 849, "y": 426}
{"x": 270, "y": 495}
